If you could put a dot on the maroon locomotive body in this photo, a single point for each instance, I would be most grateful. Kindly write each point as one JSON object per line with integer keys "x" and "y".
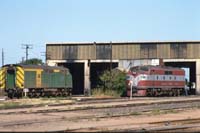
{"x": 155, "y": 81}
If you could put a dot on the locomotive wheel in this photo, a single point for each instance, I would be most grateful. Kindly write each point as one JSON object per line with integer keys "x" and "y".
{"x": 37, "y": 95}
{"x": 178, "y": 92}
{"x": 170, "y": 93}
{"x": 10, "y": 94}
{"x": 30, "y": 94}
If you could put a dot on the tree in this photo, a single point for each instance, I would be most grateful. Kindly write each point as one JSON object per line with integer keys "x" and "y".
{"x": 114, "y": 80}
{"x": 33, "y": 61}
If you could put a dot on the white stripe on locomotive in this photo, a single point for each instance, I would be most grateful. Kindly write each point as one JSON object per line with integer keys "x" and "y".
{"x": 159, "y": 77}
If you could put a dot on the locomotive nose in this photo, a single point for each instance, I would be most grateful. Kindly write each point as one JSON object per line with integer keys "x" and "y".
{"x": 129, "y": 81}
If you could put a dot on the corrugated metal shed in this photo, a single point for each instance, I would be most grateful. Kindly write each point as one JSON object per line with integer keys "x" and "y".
{"x": 123, "y": 50}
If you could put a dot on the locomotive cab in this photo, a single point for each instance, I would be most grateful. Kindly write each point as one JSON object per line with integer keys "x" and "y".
{"x": 10, "y": 78}
{"x": 10, "y": 83}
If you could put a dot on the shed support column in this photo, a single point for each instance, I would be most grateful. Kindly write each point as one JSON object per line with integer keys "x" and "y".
{"x": 87, "y": 87}
{"x": 198, "y": 77}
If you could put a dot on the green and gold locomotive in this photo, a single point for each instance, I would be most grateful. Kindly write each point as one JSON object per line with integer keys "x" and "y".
{"x": 35, "y": 80}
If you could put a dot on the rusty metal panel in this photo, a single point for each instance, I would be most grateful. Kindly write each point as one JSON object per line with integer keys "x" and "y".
{"x": 93, "y": 51}
{"x": 121, "y": 51}
{"x": 130, "y": 51}
{"x": 103, "y": 51}
{"x": 193, "y": 51}
{"x": 59, "y": 52}
{"x": 48, "y": 53}
{"x": 126, "y": 51}
{"x": 196, "y": 49}
{"x": 86, "y": 52}
{"x": 178, "y": 50}
{"x": 148, "y": 51}
{"x": 115, "y": 51}
{"x": 70, "y": 52}
{"x": 137, "y": 51}
{"x": 82, "y": 52}
{"x": 163, "y": 51}
{"x": 53, "y": 52}
{"x": 190, "y": 49}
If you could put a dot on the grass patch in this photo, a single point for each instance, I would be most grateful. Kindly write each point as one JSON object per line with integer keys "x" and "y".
{"x": 28, "y": 102}
{"x": 159, "y": 112}
{"x": 99, "y": 92}
{"x": 170, "y": 111}
{"x": 109, "y": 114}
{"x": 9, "y": 105}
{"x": 135, "y": 113}
{"x": 156, "y": 112}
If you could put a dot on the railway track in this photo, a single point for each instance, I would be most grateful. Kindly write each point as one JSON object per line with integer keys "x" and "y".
{"x": 171, "y": 126}
{"x": 161, "y": 126}
{"x": 106, "y": 112}
{"x": 100, "y": 105}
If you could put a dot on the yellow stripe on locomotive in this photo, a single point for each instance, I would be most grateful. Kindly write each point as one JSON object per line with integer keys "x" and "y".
{"x": 19, "y": 77}
{"x": 2, "y": 78}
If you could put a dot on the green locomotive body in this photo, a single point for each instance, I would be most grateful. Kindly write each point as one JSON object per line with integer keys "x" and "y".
{"x": 35, "y": 80}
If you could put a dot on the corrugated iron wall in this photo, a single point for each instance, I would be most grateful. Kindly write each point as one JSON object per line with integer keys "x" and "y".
{"x": 123, "y": 51}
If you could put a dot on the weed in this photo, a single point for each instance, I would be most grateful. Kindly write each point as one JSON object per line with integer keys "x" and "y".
{"x": 9, "y": 105}
{"x": 102, "y": 93}
{"x": 63, "y": 117}
{"x": 156, "y": 112}
{"x": 97, "y": 119}
{"x": 135, "y": 113}
{"x": 108, "y": 114}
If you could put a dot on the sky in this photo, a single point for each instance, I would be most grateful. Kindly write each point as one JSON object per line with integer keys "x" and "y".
{"x": 38, "y": 22}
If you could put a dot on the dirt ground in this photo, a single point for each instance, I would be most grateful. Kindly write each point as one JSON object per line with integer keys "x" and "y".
{"x": 81, "y": 120}
{"x": 61, "y": 121}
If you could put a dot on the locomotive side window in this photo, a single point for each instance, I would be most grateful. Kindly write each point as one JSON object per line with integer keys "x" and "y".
{"x": 134, "y": 69}
{"x": 163, "y": 77}
{"x": 168, "y": 72}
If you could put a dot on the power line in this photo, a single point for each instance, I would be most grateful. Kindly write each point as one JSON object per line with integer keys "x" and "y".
{"x": 2, "y": 57}
{"x": 27, "y": 47}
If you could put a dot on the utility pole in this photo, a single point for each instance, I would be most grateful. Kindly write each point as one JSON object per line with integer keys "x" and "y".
{"x": 22, "y": 59}
{"x": 110, "y": 56}
{"x": 27, "y": 47}
{"x": 2, "y": 57}
{"x": 45, "y": 55}
{"x": 111, "y": 64}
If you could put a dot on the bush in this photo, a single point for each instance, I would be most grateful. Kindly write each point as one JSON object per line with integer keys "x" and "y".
{"x": 113, "y": 82}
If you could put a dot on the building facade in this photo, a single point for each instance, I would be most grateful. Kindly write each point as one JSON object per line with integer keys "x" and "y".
{"x": 87, "y": 60}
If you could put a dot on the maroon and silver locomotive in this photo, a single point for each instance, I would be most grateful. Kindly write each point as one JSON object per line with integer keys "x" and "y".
{"x": 155, "y": 81}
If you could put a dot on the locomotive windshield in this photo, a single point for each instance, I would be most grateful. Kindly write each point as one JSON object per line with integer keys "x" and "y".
{"x": 139, "y": 68}
{"x": 134, "y": 69}
{"x": 144, "y": 68}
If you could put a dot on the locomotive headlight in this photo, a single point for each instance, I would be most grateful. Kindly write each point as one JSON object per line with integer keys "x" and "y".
{"x": 130, "y": 83}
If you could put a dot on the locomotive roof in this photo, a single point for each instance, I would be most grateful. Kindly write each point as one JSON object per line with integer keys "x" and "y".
{"x": 37, "y": 66}
{"x": 158, "y": 67}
